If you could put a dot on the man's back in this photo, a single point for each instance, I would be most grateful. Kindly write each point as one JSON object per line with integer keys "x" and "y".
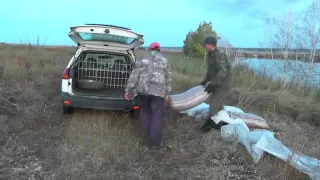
{"x": 154, "y": 73}
{"x": 151, "y": 79}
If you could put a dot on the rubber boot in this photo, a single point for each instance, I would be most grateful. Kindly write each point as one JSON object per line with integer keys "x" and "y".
{"x": 207, "y": 126}
{"x": 211, "y": 124}
{"x": 219, "y": 125}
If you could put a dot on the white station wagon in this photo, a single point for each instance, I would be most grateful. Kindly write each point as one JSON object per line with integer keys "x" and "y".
{"x": 97, "y": 74}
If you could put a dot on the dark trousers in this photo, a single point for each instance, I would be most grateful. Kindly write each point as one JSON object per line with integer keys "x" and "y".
{"x": 151, "y": 116}
{"x": 216, "y": 103}
{"x": 217, "y": 98}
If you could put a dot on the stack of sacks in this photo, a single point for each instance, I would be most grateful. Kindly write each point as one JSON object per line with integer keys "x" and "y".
{"x": 201, "y": 111}
{"x": 259, "y": 139}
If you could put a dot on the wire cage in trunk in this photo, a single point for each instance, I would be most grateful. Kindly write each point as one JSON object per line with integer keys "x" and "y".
{"x": 110, "y": 69}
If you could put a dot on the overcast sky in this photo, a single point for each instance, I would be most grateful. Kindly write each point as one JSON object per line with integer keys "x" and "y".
{"x": 168, "y": 22}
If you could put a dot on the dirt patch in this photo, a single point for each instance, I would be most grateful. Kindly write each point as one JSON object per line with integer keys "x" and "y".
{"x": 27, "y": 129}
{"x": 8, "y": 107}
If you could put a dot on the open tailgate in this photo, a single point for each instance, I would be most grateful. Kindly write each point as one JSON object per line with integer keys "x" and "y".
{"x": 106, "y": 35}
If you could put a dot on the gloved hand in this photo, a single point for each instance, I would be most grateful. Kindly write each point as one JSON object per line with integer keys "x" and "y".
{"x": 210, "y": 88}
{"x": 167, "y": 99}
{"x": 203, "y": 83}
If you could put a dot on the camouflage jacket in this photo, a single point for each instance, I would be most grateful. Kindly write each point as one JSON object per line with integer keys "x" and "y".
{"x": 219, "y": 69}
{"x": 151, "y": 76}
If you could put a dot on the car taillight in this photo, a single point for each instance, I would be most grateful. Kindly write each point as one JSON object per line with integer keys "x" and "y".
{"x": 136, "y": 107}
{"x": 65, "y": 74}
{"x": 67, "y": 102}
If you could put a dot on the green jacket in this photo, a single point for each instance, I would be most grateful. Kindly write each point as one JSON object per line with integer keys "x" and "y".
{"x": 219, "y": 69}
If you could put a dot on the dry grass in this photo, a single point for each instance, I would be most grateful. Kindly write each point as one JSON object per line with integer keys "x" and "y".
{"x": 38, "y": 142}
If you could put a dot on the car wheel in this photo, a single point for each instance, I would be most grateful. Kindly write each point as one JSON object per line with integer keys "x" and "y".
{"x": 67, "y": 110}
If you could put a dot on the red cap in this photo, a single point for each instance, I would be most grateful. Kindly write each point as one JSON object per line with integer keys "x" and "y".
{"x": 154, "y": 45}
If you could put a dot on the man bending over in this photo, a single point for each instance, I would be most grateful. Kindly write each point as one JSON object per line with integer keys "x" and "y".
{"x": 217, "y": 81}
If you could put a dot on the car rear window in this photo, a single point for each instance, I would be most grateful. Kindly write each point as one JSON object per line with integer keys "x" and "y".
{"x": 106, "y": 38}
{"x": 102, "y": 61}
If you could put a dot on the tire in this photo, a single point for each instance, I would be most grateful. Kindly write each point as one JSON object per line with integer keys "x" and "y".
{"x": 90, "y": 84}
{"x": 67, "y": 109}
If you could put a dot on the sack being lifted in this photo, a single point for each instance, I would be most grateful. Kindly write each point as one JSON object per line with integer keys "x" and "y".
{"x": 192, "y": 102}
{"x": 189, "y": 99}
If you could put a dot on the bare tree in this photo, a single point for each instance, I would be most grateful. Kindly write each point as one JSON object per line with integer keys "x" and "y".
{"x": 268, "y": 43}
{"x": 283, "y": 41}
{"x": 237, "y": 55}
{"x": 232, "y": 53}
{"x": 268, "y": 36}
{"x": 300, "y": 54}
{"x": 226, "y": 46}
{"x": 297, "y": 39}
{"x": 310, "y": 25}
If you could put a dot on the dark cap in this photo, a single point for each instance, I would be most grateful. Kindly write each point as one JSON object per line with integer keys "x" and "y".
{"x": 210, "y": 40}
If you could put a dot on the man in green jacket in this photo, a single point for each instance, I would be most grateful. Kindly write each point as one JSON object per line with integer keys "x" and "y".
{"x": 217, "y": 81}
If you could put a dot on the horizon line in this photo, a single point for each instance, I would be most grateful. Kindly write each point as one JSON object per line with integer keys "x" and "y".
{"x": 165, "y": 47}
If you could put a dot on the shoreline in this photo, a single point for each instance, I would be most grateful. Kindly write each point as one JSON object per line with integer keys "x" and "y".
{"x": 258, "y": 53}
{"x": 261, "y": 55}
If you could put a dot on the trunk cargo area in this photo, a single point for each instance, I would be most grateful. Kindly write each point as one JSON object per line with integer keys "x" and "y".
{"x": 101, "y": 74}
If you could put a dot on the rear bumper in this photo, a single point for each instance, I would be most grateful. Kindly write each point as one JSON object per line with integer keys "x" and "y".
{"x": 99, "y": 104}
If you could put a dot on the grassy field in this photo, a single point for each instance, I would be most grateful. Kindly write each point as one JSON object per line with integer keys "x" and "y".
{"x": 38, "y": 142}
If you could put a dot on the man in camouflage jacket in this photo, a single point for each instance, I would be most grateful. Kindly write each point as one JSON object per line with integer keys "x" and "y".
{"x": 151, "y": 80}
{"x": 217, "y": 81}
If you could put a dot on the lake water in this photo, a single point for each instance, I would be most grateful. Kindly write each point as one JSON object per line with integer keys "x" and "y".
{"x": 296, "y": 70}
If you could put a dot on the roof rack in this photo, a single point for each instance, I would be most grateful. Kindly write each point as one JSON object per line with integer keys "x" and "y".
{"x": 107, "y": 25}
